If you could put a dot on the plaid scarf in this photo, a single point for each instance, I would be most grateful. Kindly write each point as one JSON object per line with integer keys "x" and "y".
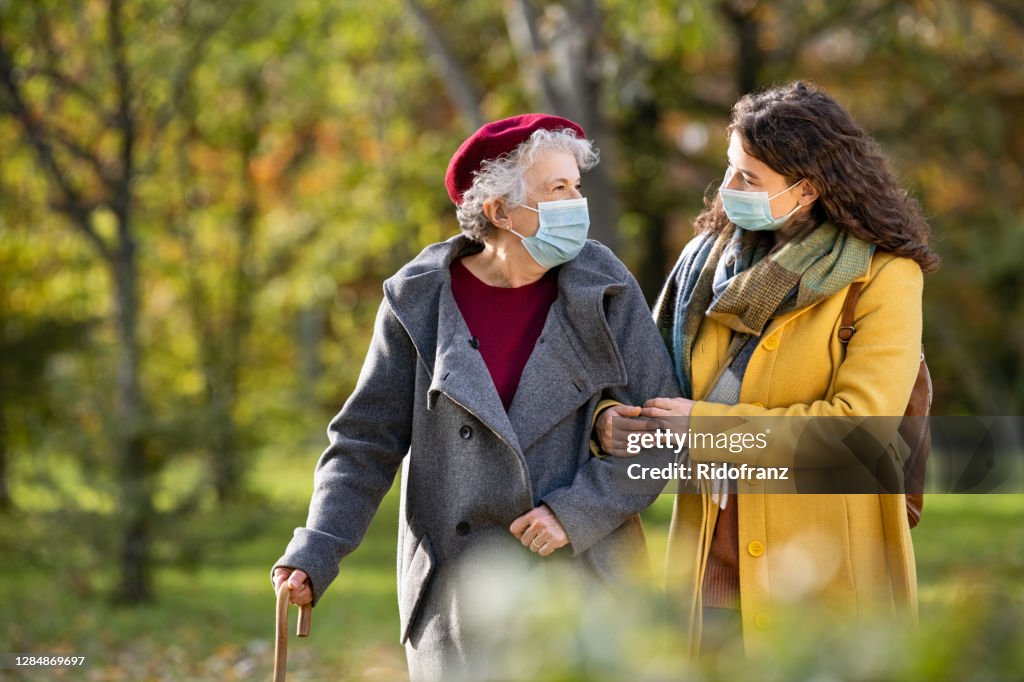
{"x": 736, "y": 279}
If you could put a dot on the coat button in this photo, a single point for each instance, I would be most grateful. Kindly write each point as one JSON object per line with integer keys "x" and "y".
{"x": 462, "y": 528}
{"x": 755, "y": 548}
{"x": 761, "y": 621}
{"x": 475, "y": 342}
{"x": 466, "y": 432}
{"x": 771, "y": 343}
{"x": 759, "y": 404}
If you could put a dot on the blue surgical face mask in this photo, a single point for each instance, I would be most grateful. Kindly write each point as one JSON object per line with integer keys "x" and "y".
{"x": 752, "y": 210}
{"x": 561, "y": 233}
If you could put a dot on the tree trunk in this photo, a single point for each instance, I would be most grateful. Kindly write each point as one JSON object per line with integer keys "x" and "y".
{"x": 741, "y": 14}
{"x": 227, "y": 465}
{"x": 601, "y": 192}
{"x": 462, "y": 90}
{"x": 640, "y": 134}
{"x": 5, "y": 494}
{"x": 226, "y": 470}
{"x": 563, "y": 77}
{"x": 135, "y": 470}
{"x": 312, "y": 319}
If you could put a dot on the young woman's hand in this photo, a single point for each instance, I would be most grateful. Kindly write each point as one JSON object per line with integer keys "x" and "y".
{"x": 667, "y": 407}
{"x": 614, "y": 425}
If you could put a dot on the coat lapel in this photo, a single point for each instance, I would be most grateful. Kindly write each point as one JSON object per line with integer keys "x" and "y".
{"x": 420, "y": 295}
{"x": 554, "y": 383}
{"x": 461, "y": 374}
{"x": 574, "y": 357}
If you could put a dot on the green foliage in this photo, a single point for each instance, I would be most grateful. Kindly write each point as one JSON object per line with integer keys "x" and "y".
{"x": 291, "y": 156}
{"x": 296, "y": 157}
{"x": 213, "y": 618}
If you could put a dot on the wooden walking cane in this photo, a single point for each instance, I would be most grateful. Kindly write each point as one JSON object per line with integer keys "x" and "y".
{"x": 281, "y": 645}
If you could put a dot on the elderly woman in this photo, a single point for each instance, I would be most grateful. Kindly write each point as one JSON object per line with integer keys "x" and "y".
{"x": 490, "y": 354}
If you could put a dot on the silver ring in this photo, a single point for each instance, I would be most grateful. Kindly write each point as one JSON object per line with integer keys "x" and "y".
{"x": 535, "y": 542}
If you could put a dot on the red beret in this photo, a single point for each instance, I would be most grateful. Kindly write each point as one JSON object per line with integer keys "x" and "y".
{"x": 493, "y": 140}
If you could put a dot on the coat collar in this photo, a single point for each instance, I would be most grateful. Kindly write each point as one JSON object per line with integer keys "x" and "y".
{"x": 575, "y": 354}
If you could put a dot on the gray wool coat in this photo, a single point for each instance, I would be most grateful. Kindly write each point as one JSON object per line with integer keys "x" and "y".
{"x": 425, "y": 398}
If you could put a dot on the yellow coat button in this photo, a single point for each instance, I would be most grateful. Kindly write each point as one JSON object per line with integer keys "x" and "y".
{"x": 759, "y": 404}
{"x": 761, "y": 621}
{"x": 755, "y": 548}
{"x": 771, "y": 343}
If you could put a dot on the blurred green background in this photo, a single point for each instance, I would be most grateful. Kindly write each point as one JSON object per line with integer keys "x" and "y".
{"x": 198, "y": 204}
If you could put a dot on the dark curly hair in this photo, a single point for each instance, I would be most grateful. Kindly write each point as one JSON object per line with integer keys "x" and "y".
{"x": 801, "y": 132}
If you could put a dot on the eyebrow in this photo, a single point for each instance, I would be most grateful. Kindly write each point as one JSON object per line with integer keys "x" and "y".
{"x": 750, "y": 174}
{"x": 566, "y": 181}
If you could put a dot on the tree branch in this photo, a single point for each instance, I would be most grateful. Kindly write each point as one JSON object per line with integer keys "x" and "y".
{"x": 840, "y": 14}
{"x": 460, "y": 86}
{"x": 71, "y": 202}
{"x": 180, "y": 83}
{"x": 742, "y": 15}
{"x": 522, "y": 32}
{"x": 69, "y": 85}
{"x": 1011, "y": 11}
{"x": 80, "y": 152}
{"x": 121, "y": 200}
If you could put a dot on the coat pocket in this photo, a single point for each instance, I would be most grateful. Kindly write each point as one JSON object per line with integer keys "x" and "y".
{"x": 414, "y": 582}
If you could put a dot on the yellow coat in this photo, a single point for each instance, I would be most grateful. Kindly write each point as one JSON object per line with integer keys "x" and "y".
{"x": 848, "y": 553}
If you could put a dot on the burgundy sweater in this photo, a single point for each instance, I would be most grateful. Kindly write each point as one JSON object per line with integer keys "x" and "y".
{"x": 505, "y": 322}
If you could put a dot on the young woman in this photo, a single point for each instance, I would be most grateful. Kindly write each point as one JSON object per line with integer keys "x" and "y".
{"x": 750, "y": 314}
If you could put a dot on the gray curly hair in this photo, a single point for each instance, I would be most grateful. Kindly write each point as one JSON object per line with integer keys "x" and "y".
{"x": 505, "y": 176}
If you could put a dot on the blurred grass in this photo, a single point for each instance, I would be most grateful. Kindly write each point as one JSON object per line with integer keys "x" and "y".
{"x": 213, "y": 613}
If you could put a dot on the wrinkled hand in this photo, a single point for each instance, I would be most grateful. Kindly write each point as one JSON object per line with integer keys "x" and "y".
{"x": 615, "y": 424}
{"x": 540, "y": 530}
{"x": 302, "y": 593}
{"x": 667, "y": 407}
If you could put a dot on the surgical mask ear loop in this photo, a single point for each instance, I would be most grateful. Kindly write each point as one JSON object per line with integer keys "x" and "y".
{"x": 779, "y": 194}
{"x": 528, "y": 208}
{"x": 796, "y": 208}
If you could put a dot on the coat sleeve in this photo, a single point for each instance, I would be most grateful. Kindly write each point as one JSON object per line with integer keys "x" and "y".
{"x": 595, "y": 503}
{"x": 368, "y": 440}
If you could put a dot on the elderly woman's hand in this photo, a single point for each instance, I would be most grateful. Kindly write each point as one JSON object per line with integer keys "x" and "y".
{"x": 299, "y": 583}
{"x": 615, "y": 424}
{"x": 540, "y": 530}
